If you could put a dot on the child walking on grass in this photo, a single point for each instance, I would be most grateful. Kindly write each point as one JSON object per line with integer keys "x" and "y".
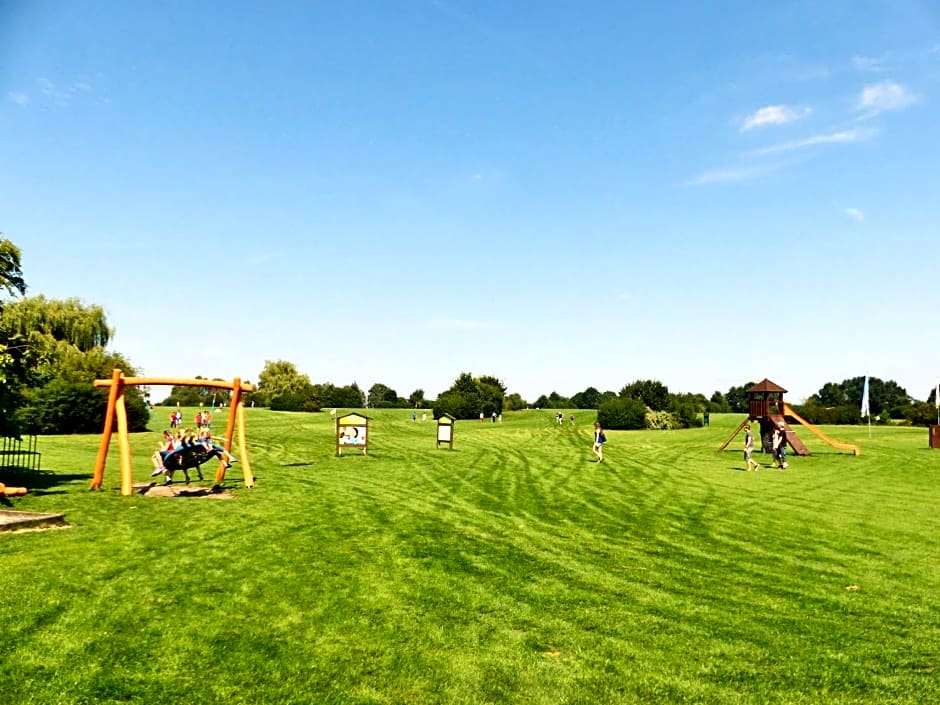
{"x": 599, "y": 440}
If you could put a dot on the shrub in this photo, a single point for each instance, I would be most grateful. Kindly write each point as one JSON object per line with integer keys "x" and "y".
{"x": 837, "y": 415}
{"x": 63, "y": 406}
{"x": 458, "y": 405}
{"x": 652, "y": 393}
{"x": 291, "y": 401}
{"x": 622, "y": 413}
{"x": 922, "y": 414}
{"x": 686, "y": 415}
{"x": 660, "y": 420}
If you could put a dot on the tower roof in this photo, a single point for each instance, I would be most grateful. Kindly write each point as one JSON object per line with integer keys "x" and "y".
{"x": 765, "y": 385}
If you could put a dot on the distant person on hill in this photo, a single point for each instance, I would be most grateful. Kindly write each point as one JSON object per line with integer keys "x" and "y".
{"x": 749, "y": 448}
{"x": 780, "y": 446}
{"x": 599, "y": 440}
{"x": 705, "y": 417}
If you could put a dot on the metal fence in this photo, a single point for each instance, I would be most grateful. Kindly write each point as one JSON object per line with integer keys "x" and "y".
{"x": 19, "y": 453}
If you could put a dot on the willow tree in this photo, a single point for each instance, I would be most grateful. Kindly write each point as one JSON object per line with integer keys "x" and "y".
{"x": 11, "y": 284}
{"x": 81, "y": 326}
{"x": 55, "y": 349}
{"x": 11, "y": 272}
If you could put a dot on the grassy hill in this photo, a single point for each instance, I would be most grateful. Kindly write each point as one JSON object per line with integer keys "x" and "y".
{"x": 509, "y": 570}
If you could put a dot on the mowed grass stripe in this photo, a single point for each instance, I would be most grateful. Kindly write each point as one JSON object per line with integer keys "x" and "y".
{"x": 508, "y": 570}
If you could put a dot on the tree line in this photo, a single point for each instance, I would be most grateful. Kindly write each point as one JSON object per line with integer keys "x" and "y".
{"x": 51, "y": 351}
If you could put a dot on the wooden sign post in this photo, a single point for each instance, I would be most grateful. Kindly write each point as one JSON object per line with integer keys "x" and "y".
{"x": 352, "y": 431}
{"x": 445, "y": 430}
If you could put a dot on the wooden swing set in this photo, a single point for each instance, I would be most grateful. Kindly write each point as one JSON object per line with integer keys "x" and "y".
{"x": 118, "y": 409}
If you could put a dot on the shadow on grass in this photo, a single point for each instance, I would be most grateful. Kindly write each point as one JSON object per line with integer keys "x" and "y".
{"x": 39, "y": 481}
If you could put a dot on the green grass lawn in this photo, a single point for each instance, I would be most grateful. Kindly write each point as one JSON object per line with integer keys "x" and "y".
{"x": 509, "y": 570}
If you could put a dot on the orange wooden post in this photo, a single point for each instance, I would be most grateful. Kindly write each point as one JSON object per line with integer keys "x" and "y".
{"x": 106, "y": 433}
{"x": 230, "y": 426}
{"x": 243, "y": 447}
{"x": 127, "y": 482}
{"x": 12, "y": 491}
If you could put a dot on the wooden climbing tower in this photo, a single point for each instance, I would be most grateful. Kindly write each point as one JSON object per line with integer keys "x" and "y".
{"x": 767, "y": 407}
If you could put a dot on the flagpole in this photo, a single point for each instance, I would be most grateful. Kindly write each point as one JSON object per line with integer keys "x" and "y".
{"x": 865, "y": 410}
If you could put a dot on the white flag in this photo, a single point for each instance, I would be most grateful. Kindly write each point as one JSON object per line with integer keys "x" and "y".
{"x": 865, "y": 410}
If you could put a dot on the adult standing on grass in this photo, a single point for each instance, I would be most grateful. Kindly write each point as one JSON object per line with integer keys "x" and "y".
{"x": 599, "y": 440}
{"x": 780, "y": 446}
{"x": 749, "y": 448}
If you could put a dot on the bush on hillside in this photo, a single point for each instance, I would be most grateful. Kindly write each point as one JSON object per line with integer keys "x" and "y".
{"x": 622, "y": 413}
{"x": 922, "y": 414}
{"x": 686, "y": 414}
{"x": 64, "y": 406}
{"x": 291, "y": 401}
{"x": 835, "y": 415}
{"x": 660, "y": 420}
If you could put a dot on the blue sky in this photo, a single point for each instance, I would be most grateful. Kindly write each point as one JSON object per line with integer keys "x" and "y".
{"x": 561, "y": 194}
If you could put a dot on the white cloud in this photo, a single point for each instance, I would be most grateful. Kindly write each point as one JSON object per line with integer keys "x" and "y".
{"x": 885, "y": 95}
{"x": 51, "y": 91}
{"x": 773, "y": 115}
{"x": 840, "y": 137}
{"x": 855, "y": 214}
{"x": 733, "y": 174}
{"x": 63, "y": 97}
{"x": 18, "y": 98}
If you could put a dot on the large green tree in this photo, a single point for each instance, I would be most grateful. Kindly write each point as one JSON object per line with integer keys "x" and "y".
{"x": 470, "y": 396}
{"x": 334, "y": 397}
{"x": 590, "y": 398}
{"x": 11, "y": 284}
{"x": 737, "y": 398}
{"x": 622, "y": 413}
{"x": 651, "y": 392}
{"x": 55, "y": 350}
{"x": 382, "y": 396}
{"x": 67, "y": 402}
{"x": 279, "y": 378}
{"x": 11, "y": 271}
{"x": 198, "y": 396}
{"x": 514, "y": 402}
{"x": 883, "y": 396}
{"x": 554, "y": 400}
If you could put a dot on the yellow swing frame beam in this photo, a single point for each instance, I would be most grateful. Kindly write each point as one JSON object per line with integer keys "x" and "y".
{"x": 117, "y": 410}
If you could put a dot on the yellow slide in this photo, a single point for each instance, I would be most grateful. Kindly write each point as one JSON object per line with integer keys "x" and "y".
{"x": 788, "y": 411}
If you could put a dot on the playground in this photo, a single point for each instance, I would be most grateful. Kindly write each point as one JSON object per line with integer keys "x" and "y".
{"x": 768, "y": 408}
{"x": 507, "y": 569}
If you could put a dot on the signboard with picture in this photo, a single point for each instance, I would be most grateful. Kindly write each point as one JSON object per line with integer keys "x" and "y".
{"x": 352, "y": 431}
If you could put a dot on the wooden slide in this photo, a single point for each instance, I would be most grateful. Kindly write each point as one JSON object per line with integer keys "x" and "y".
{"x": 788, "y": 410}
{"x": 794, "y": 440}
